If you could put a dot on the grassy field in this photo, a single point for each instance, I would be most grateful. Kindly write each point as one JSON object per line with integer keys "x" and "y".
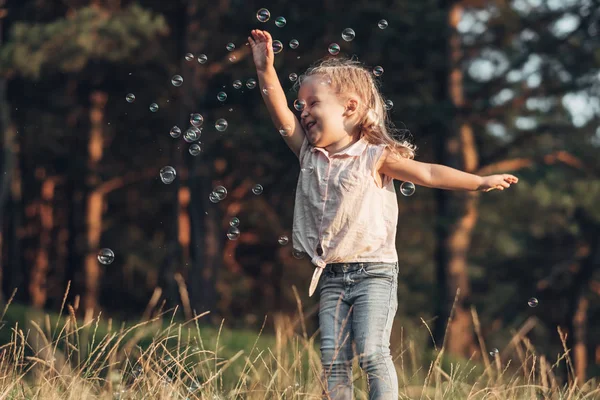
{"x": 51, "y": 357}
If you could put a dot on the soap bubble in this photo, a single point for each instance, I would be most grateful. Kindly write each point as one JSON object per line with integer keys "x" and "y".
{"x": 293, "y": 77}
{"x": 277, "y": 47}
{"x": 221, "y": 96}
{"x": 286, "y": 130}
{"x": 533, "y": 302}
{"x": 294, "y": 44}
{"x": 106, "y": 256}
{"x": 221, "y": 124}
{"x": 334, "y": 49}
{"x": 230, "y": 46}
{"x": 237, "y": 84}
{"x": 378, "y": 70}
{"x": 167, "y": 174}
{"x": 130, "y": 98}
{"x": 283, "y": 240}
{"x": 232, "y": 58}
{"x": 494, "y": 352}
{"x": 189, "y": 57}
{"x": 297, "y": 254}
{"x": 221, "y": 192}
{"x": 348, "y": 34}
{"x": 257, "y": 189}
{"x": 263, "y": 15}
{"x": 235, "y": 221}
{"x": 202, "y": 59}
{"x": 175, "y": 132}
{"x": 213, "y": 197}
{"x": 192, "y": 134}
{"x": 154, "y": 107}
{"x": 251, "y": 83}
{"x": 407, "y": 188}
{"x": 307, "y": 170}
{"x": 196, "y": 119}
{"x": 233, "y": 233}
{"x": 195, "y": 149}
{"x": 299, "y": 104}
{"x": 382, "y": 24}
{"x": 280, "y": 22}
{"x": 388, "y": 105}
{"x": 177, "y": 80}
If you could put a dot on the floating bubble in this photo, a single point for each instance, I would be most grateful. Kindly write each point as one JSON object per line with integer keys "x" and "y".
{"x": 237, "y": 84}
{"x": 294, "y": 44}
{"x": 235, "y": 221}
{"x": 213, "y": 197}
{"x": 154, "y": 107}
{"x": 177, "y": 80}
{"x": 232, "y": 58}
{"x": 297, "y": 254}
{"x": 221, "y": 124}
{"x": 221, "y": 96}
{"x": 189, "y": 57}
{"x": 280, "y": 22}
{"x": 175, "y": 132}
{"x": 293, "y": 77}
{"x": 130, "y": 98}
{"x": 307, "y": 170}
{"x": 378, "y": 70}
{"x": 257, "y": 189}
{"x": 263, "y": 15}
{"x": 407, "y": 188}
{"x": 167, "y": 174}
{"x": 221, "y": 192}
{"x": 202, "y": 59}
{"x": 382, "y": 24}
{"x": 192, "y": 134}
{"x": 388, "y": 105}
{"x": 286, "y": 130}
{"x": 533, "y": 302}
{"x": 299, "y": 104}
{"x": 251, "y": 83}
{"x": 106, "y": 256}
{"x": 494, "y": 352}
{"x": 277, "y": 47}
{"x": 195, "y": 149}
{"x": 348, "y": 34}
{"x": 196, "y": 119}
{"x": 283, "y": 240}
{"x": 334, "y": 49}
{"x": 230, "y": 46}
{"x": 233, "y": 233}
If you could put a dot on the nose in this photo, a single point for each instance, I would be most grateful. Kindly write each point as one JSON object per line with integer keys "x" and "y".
{"x": 304, "y": 113}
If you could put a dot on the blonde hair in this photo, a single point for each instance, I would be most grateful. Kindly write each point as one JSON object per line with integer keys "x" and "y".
{"x": 347, "y": 76}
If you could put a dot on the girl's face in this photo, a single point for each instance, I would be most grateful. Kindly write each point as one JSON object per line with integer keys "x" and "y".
{"x": 324, "y": 118}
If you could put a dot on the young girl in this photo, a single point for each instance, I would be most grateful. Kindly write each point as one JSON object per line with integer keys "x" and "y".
{"x": 346, "y": 208}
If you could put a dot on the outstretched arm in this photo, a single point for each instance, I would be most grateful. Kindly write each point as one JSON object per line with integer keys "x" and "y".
{"x": 439, "y": 176}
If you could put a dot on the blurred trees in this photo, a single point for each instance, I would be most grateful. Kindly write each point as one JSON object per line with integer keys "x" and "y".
{"x": 503, "y": 87}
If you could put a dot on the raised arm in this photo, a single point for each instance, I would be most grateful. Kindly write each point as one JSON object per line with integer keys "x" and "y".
{"x": 283, "y": 118}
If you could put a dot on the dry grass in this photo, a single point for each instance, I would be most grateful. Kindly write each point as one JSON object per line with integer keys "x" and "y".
{"x": 72, "y": 360}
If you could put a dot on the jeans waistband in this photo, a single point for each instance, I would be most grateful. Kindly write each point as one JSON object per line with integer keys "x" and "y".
{"x": 352, "y": 266}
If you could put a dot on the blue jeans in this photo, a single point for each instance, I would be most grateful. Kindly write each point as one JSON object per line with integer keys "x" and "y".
{"x": 358, "y": 302}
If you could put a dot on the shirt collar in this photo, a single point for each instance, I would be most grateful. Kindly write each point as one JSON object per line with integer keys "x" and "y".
{"x": 353, "y": 150}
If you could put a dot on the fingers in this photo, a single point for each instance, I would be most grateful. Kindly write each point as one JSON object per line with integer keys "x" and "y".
{"x": 261, "y": 36}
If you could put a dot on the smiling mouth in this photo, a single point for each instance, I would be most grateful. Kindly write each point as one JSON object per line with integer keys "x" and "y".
{"x": 310, "y": 125}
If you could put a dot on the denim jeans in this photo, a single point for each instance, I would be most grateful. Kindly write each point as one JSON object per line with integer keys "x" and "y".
{"x": 358, "y": 302}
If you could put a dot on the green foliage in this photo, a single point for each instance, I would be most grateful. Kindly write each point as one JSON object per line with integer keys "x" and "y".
{"x": 89, "y": 35}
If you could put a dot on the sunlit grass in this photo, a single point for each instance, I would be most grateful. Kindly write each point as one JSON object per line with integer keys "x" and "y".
{"x": 164, "y": 358}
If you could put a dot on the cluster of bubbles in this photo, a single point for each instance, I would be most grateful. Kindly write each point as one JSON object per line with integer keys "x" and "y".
{"x": 202, "y": 58}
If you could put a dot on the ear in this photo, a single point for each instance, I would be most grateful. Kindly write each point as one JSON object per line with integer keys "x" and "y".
{"x": 351, "y": 106}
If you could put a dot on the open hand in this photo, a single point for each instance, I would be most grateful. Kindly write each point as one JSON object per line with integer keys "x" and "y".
{"x": 500, "y": 182}
{"x": 261, "y": 44}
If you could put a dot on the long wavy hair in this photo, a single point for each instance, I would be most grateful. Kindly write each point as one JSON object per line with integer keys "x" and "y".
{"x": 349, "y": 76}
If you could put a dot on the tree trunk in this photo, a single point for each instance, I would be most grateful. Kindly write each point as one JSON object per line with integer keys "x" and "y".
{"x": 457, "y": 212}
{"x": 95, "y": 203}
